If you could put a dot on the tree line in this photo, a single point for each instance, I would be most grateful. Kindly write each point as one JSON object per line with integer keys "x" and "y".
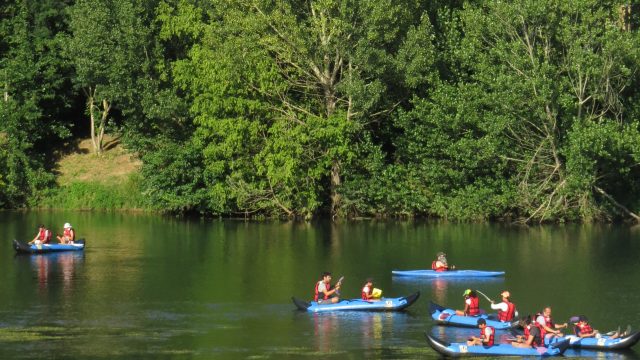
{"x": 526, "y": 110}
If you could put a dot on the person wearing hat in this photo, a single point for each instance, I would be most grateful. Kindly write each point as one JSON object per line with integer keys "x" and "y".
{"x": 440, "y": 263}
{"x": 487, "y": 334}
{"x": 43, "y": 236}
{"x": 68, "y": 235}
{"x": 584, "y": 330}
{"x": 471, "y": 304}
{"x": 506, "y": 309}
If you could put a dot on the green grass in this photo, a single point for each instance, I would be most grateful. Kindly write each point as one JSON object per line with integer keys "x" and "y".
{"x": 124, "y": 195}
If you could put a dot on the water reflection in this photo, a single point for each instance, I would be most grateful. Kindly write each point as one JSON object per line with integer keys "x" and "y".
{"x": 52, "y": 269}
{"x": 324, "y": 328}
{"x": 371, "y": 329}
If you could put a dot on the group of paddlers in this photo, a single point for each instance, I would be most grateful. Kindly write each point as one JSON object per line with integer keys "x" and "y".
{"x": 536, "y": 328}
{"x": 44, "y": 235}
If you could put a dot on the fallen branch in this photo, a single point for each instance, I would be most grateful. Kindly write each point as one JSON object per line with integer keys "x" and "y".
{"x": 622, "y": 207}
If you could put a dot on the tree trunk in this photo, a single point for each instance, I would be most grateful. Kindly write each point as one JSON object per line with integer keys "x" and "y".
{"x": 103, "y": 121}
{"x": 336, "y": 181}
{"x": 90, "y": 104}
{"x": 6, "y": 88}
{"x": 97, "y": 134}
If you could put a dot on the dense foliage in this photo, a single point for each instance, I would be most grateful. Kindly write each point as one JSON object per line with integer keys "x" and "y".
{"x": 525, "y": 110}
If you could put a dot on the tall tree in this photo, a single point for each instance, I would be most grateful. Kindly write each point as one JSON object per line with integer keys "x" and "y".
{"x": 35, "y": 96}
{"x": 106, "y": 45}
{"x": 284, "y": 92}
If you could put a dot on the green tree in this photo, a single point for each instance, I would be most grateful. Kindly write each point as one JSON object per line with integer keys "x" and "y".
{"x": 107, "y": 47}
{"x": 283, "y": 94}
{"x": 35, "y": 96}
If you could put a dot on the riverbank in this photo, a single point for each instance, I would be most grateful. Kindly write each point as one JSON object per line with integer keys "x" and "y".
{"x": 85, "y": 181}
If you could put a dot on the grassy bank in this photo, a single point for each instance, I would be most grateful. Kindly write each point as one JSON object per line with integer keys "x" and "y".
{"x": 95, "y": 196}
{"x": 86, "y": 181}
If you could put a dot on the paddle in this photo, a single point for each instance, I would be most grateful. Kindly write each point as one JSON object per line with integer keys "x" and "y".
{"x": 485, "y": 296}
{"x": 339, "y": 283}
{"x": 515, "y": 314}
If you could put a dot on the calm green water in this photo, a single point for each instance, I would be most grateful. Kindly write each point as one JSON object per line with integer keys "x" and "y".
{"x": 151, "y": 287}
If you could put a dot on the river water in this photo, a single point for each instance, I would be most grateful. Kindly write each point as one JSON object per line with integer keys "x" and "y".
{"x": 153, "y": 287}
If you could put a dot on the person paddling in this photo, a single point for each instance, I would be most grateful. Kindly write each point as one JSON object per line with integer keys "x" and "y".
{"x": 68, "y": 234}
{"x": 324, "y": 293}
{"x": 471, "y": 304}
{"x": 506, "y": 309}
{"x": 440, "y": 263}
{"x": 42, "y": 237}
{"x": 486, "y": 335}
{"x": 552, "y": 329}
{"x": 533, "y": 334}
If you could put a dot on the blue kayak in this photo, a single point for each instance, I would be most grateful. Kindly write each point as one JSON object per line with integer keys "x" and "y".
{"x": 444, "y": 316}
{"x": 602, "y": 343}
{"x": 25, "y": 248}
{"x": 384, "y": 304}
{"x": 447, "y": 274}
{"x": 462, "y": 349}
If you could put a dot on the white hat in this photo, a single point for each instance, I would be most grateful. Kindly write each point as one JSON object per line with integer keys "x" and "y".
{"x": 67, "y": 226}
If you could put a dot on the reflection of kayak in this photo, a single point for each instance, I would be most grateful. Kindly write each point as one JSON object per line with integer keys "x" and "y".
{"x": 25, "y": 248}
{"x": 446, "y": 316}
{"x": 603, "y": 343}
{"x": 462, "y": 349}
{"x": 447, "y": 274}
{"x": 384, "y": 304}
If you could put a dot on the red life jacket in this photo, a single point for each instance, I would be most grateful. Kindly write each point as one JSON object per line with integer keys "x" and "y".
{"x": 540, "y": 341}
{"x": 474, "y": 307}
{"x": 536, "y": 341}
{"x": 490, "y": 342}
{"x": 327, "y": 286}
{"x": 507, "y": 315}
{"x": 583, "y": 329}
{"x": 438, "y": 268}
{"x": 69, "y": 234}
{"x": 547, "y": 319}
{"x": 44, "y": 235}
{"x": 366, "y": 294}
